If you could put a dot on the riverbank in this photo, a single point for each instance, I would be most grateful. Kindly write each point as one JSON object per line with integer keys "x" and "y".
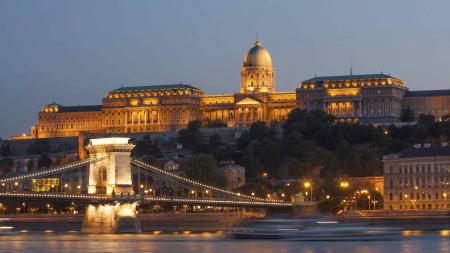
{"x": 166, "y": 222}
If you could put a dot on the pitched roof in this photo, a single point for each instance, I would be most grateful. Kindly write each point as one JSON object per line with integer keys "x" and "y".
{"x": 423, "y": 152}
{"x": 348, "y": 77}
{"x": 156, "y": 87}
{"x": 81, "y": 108}
{"x": 427, "y": 93}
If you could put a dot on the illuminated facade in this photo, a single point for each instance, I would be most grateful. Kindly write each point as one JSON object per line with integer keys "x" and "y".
{"x": 44, "y": 184}
{"x": 159, "y": 108}
{"x": 374, "y": 98}
{"x": 434, "y": 102}
{"x": 417, "y": 178}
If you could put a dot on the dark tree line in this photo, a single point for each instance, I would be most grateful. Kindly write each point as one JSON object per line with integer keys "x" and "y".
{"x": 315, "y": 144}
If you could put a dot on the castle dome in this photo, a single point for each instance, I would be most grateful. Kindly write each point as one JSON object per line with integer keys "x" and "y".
{"x": 257, "y": 56}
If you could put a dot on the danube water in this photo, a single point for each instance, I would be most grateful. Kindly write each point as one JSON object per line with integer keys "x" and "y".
{"x": 32, "y": 242}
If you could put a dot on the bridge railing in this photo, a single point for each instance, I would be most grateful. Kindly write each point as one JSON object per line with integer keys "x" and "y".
{"x": 52, "y": 171}
{"x": 199, "y": 184}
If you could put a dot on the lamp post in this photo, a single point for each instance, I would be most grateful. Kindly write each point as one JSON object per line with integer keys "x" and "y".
{"x": 368, "y": 197}
{"x": 406, "y": 201}
{"x": 445, "y": 197}
{"x": 355, "y": 197}
{"x": 306, "y": 185}
{"x": 344, "y": 185}
{"x": 414, "y": 203}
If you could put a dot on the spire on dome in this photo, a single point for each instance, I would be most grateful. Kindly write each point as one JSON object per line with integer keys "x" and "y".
{"x": 257, "y": 42}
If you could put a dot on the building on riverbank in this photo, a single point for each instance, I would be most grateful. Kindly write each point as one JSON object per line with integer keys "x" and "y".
{"x": 369, "y": 99}
{"x": 417, "y": 178}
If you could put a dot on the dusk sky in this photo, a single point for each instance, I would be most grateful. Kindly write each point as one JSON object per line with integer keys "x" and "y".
{"x": 74, "y": 52}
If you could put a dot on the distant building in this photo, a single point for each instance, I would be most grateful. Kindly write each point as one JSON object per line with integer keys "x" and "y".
{"x": 371, "y": 98}
{"x": 434, "y": 102}
{"x": 417, "y": 178}
{"x": 369, "y": 183}
{"x": 234, "y": 175}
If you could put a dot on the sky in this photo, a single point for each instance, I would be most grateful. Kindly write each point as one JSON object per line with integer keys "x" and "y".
{"x": 74, "y": 52}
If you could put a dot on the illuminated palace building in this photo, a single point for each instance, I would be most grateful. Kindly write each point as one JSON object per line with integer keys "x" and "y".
{"x": 374, "y": 98}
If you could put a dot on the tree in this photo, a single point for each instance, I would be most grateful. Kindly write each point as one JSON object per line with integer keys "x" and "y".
{"x": 146, "y": 148}
{"x": 190, "y": 136}
{"x": 6, "y": 166}
{"x": 203, "y": 167}
{"x": 261, "y": 155}
{"x": 44, "y": 162}
{"x": 5, "y": 149}
{"x": 30, "y": 165}
{"x": 39, "y": 147}
{"x": 329, "y": 205}
{"x": 215, "y": 141}
{"x": 213, "y": 124}
{"x": 63, "y": 160}
{"x": 446, "y": 117}
{"x": 407, "y": 115}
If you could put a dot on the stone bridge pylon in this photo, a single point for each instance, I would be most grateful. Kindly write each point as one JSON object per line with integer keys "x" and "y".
{"x": 112, "y": 174}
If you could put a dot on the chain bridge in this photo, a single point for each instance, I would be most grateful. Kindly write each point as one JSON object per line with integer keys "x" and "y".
{"x": 110, "y": 175}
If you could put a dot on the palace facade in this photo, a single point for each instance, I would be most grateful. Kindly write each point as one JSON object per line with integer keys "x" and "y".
{"x": 374, "y": 98}
{"x": 417, "y": 178}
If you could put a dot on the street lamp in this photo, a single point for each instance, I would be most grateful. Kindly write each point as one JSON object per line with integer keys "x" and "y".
{"x": 368, "y": 197}
{"x": 374, "y": 202}
{"x": 414, "y": 203}
{"x": 406, "y": 201}
{"x": 309, "y": 185}
{"x": 344, "y": 184}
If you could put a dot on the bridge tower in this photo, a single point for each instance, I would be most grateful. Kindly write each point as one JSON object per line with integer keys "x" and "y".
{"x": 114, "y": 172}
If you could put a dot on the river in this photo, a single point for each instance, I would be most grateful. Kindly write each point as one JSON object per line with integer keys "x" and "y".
{"x": 43, "y": 242}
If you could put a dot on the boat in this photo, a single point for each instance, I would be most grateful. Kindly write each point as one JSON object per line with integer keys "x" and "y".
{"x": 313, "y": 230}
{"x": 7, "y": 230}
{"x": 266, "y": 229}
{"x": 347, "y": 233}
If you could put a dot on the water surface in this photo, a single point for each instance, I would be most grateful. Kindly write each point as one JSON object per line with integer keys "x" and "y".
{"x": 411, "y": 242}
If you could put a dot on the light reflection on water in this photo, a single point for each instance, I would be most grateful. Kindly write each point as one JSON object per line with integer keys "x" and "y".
{"x": 210, "y": 242}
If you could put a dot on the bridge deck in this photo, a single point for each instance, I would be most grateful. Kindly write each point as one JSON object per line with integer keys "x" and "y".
{"x": 144, "y": 199}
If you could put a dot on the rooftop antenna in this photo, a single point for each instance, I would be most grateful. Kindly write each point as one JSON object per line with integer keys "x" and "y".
{"x": 315, "y": 75}
{"x": 351, "y": 68}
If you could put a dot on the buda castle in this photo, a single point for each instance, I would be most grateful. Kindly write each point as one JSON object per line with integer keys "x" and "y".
{"x": 368, "y": 99}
